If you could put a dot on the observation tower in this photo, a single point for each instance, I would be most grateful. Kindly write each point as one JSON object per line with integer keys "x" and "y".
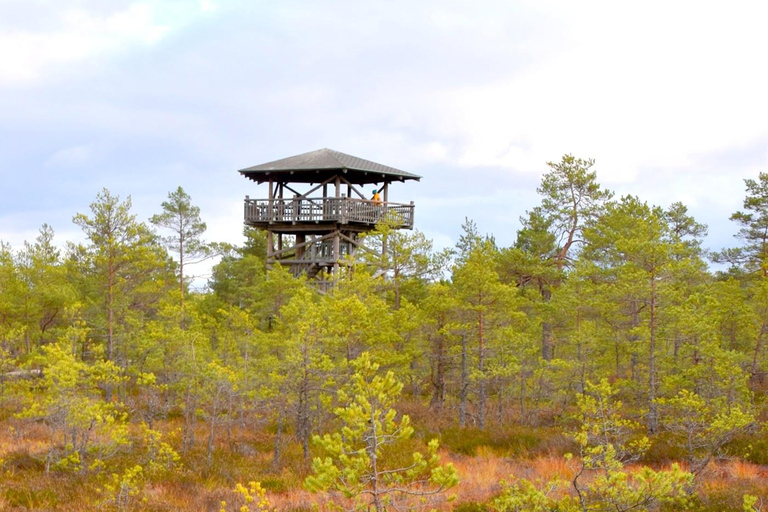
{"x": 315, "y": 208}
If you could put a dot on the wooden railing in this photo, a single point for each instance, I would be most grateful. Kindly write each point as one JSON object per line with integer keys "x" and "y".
{"x": 327, "y": 209}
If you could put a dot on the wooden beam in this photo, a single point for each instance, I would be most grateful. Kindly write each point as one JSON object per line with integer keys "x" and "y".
{"x": 384, "y": 237}
{"x": 323, "y": 184}
{"x": 270, "y": 244}
{"x": 305, "y": 243}
{"x": 360, "y": 193}
{"x": 336, "y": 250}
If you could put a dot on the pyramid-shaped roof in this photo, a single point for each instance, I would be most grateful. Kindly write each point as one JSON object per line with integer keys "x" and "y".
{"x": 318, "y": 166}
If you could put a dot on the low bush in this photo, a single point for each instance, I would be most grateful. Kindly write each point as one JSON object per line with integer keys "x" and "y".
{"x": 471, "y": 506}
{"x": 511, "y": 441}
{"x": 22, "y": 461}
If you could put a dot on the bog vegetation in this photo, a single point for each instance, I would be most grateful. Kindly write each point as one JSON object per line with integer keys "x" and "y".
{"x": 596, "y": 364}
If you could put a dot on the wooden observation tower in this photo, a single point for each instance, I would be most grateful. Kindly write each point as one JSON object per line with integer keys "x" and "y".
{"x": 316, "y": 208}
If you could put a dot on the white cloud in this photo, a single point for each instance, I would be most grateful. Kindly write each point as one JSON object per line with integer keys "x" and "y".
{"x": 208, "y": 5}
{"x": 633, "y": 86}
{"x": 28, "y": 55}
{"x": 654, "y": 91}
{"x": 70, "y": 157}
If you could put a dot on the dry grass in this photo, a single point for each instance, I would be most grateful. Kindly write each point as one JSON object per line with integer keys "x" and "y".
{"x": 480, "y": 475}
{"x": 247, "y": 456}
{"x": 739, "y": 470}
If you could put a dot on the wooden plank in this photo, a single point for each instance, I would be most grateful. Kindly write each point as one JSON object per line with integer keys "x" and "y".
{"x": 344, "y": 210}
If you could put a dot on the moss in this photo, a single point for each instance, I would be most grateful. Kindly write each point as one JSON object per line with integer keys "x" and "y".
{"x": 23, "y": 461}
{"x": 752, "y": 449}
{"x": 30, "y": 499}
{"x": 664, "y": 448}
{"x": 511, "y": 441}
{"x": 471, "y": 506}
{"x": 274, "y": 484}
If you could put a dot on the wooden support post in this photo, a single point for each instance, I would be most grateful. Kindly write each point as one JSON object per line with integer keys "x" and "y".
{"x": 270, "y": 202}
{"x": 300, "y": 239}
{"x": 325, "y": 199}
{"x": 336, "y": 250}
{"x": 352, "y": 245}
{"x": 384, "y": 208}
{"x": 280, "y": 215}
{"x": 270, "y": 239}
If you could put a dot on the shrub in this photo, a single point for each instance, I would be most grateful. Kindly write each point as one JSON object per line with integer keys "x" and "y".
{"x": 471, "y": 506}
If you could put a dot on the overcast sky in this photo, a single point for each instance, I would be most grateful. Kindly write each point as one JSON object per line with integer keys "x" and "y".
{"x": 669, "y": 97}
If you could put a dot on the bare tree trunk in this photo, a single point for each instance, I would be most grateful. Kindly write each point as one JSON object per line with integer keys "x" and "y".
{"x": 755, "y": 369}
{"x": 547, "y": 341}
{"x": 189, "y": 422}
{"x": 438, "y": 375}
{"x": 302, "y": 416}
{"x": 653, "y": 408}
{"x": 464, "y": 383}
{"x": 373, "y": 446}
{"x": 110, "y": 323}
{"x": 278, "y": 439}
{"x": 483, "y": 385}
{"x": 523, "y": 390}
{"x": 211, "y": 434}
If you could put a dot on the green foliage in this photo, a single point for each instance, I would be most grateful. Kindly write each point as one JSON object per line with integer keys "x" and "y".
{"x": 605, "y": 444}
{"x": 525, "y": 496}
{"x": 703, "y": 427}
{"x": 108, "y": 363}
{"x": 752, "y": 257}
{"x": 122, "y": 271}
{"x": 124, "y": 489}
{"x": 84, "y": 429}
{"x": 490, "y": 318}
{"x": 471, "y": 506}
{"x": 571, "y": 199}
{"x": 409, "y": 260}
{"x": 511, "y": 441}
{"x": 253, "y": 496}
{"x": 160, "y": 457}
{"x": 354, "y": 464}
{"x": 182, "y": 219}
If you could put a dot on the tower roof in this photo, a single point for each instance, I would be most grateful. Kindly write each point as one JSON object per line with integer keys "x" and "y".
{"x": 318, "y": 166}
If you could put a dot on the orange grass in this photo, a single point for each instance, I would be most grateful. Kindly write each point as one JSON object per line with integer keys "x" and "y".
{"x": 247, "y": 456}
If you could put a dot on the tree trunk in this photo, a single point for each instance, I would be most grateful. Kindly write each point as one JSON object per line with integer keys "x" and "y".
{"x": 547, "y": 342}
{"x": 438, "y": 375}
{"x": 464, "y": 383}
{"x": 278, "y": 440}
{"x": 373, "y": 446}
{"x": 211, "y": 434}
{"x": 482, "y": 387}
{"x": 302, "y": 415}
{"x": 189, "y": 422}
{"x": 653, "y": 408}
{"x": 756, "y": 376}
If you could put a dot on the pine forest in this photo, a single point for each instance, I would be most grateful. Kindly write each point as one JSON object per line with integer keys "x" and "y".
{"x": 605, "y": 361}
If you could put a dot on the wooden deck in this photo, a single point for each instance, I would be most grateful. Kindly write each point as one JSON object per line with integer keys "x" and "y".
{"x": 344, "y": 210}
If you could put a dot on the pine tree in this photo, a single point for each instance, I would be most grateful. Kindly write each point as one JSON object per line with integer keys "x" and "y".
{"x": 357, "y": 462}
{"x": 752, "y": 257}
{"x": 183, "y": 220}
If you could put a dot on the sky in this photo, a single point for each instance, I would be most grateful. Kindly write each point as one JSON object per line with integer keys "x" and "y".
{"x": 669, "y": 97}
